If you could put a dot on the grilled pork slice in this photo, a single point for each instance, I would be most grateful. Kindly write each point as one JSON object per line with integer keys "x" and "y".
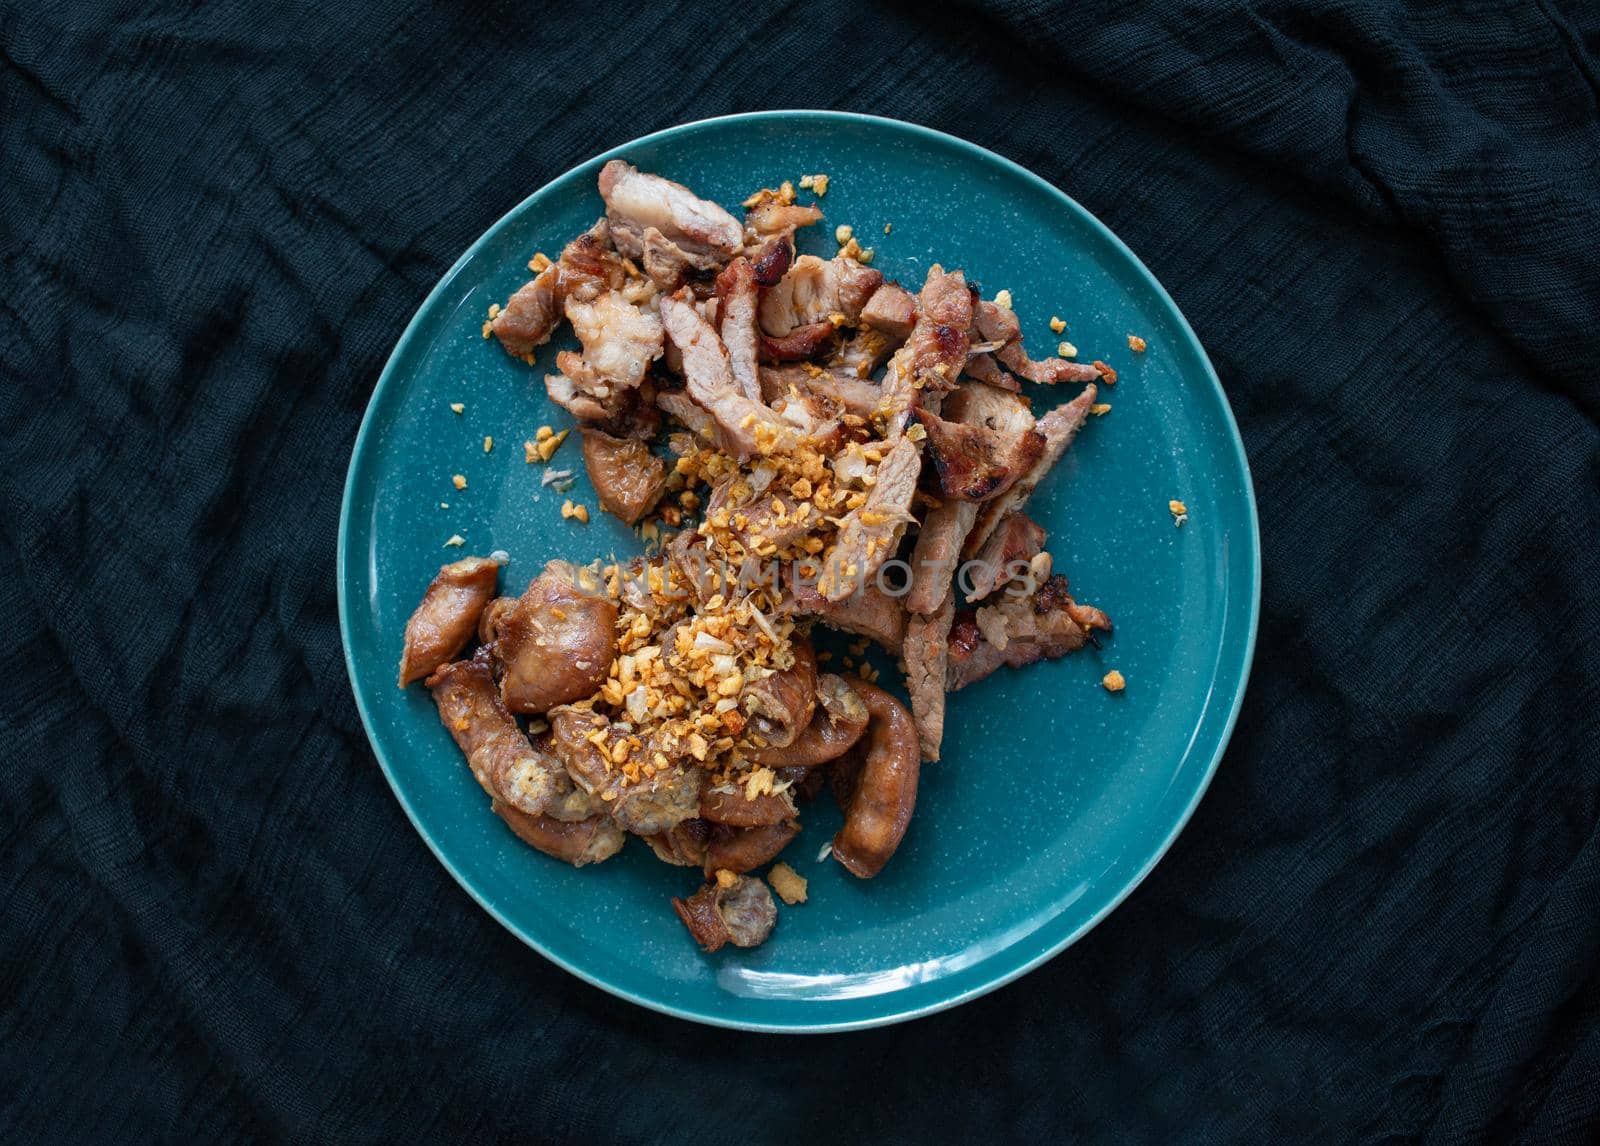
{"x": 586, "y": 267}
{"x": 815, "y": 288}
{"x": 927, "y": 653}
{"x": 448, "y": 615}
{"x": 868, "y": 612}
{"x": 769, "y": 215}
{"x": 740, "y": 912}
{"x": 849, "y": 394}
{"x": 1009, "y": 551}
{"x": 636, "y": 202}
{"x": 935, "y": 351}
{"x": 737, "y": 292}
{"x": 577, "y": 842}
{"x": 999, "y": 324}
{"x": 508, "y": 767}
{"x": 1059, "y": 427}
{"x": 891, "y": 310}
{"x": 557, "y": 645}
{"x": 781, "y": 705}
{"x": 626, "y": 475}
{"x": 869, "y": 535}
{"x": 742, "y": 423}
{"x": 973, "y": 462}
{"x": 1019, "y": 631}
{"x": 652, "y": 805}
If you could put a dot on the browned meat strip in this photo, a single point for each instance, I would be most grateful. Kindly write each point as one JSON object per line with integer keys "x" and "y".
{"x": 625, "y": 411}
{"x": 726, "y": 804}
{"x": 973, "y": 462}
{"x": 772, "y": 259}
{"x": 837, "y": 724}
{"x": 577, "y": 842}
{"x": 885, "y": 792}
{"x": 635, "y": 201}
{"x": 744, "y": 849}
{"x": 587, "y": 266}
{"x": 686, "y": 412}
{"x": 926, "y": 654}
{"x": 1059, "y": 427}
{"x": 800, "y": 343}
{"x": 999, "y": 324}
{"x": 862, "y": 353}
{"x": 649, "y": 807}
{"x": 1014, "y": 543}
{"x": 736, "y": 289}
{"x": 846, "y": 392}
{"x": 869, "y": 535}
{"x": 938, "y": 549}
{"x": 985, "y": 369}
{"x": 892, "y": 309}
{"x": 448, "y": 615}
{"x": 1019, "y": 631}
{"x": 742, "y": 424}
{"x": 501, "y": 759}
{"x": 813, "y": 289}
{"x": 557, "y": 645}
{"x": 625, "y": 474}
{"x": 780, "y": 705}
{"x": 489, "y": 620}
{"x": 741, "y": 913}
{"x": 869, "y": 612}
{"x": 935, "y": 352}
{"x": 683, "y": 846}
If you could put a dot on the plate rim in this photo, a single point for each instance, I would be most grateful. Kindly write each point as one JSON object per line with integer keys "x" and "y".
{"x": 893, "y": 1015}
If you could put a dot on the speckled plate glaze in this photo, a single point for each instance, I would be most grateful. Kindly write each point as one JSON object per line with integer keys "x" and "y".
{"x": 1054, "y": 798}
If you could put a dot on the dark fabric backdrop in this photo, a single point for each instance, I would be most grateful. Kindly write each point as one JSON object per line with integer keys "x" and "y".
{"x": 1384, "y": 921}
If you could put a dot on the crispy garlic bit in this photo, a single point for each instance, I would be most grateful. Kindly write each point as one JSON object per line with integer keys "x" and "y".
{"x": 788, "y": 883}
{"x": 1067, "y": 350}
{"x": 571, "y": 510}
{"x": 455, "y": 540}
{"x": 818, "y": 184}
{"x": 458, "y": 407}
{"x": 1056, "y": 324}
{"x": 1179, "y": 511}
{"x": 1100, "y": 409}
{"x": 1136, "y": 344}
{"x": 1113, "y": 681}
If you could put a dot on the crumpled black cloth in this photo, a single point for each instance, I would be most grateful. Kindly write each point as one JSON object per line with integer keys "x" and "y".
{"x": 1383, "y": 222}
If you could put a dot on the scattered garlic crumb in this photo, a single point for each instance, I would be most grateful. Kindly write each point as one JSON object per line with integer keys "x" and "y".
{"x": 843, "y": 233}
{"x": 1136, "y": 344}
{"x": 459, "y": 481}
{"x": 1113, "y": 681}
{"x": 816, "y": 183}
{"x": 916, "y": 432}
{"x": 1179, "y": 511}
{"x": 547, "y": 447}
{"x": 1100, "y": 409}
{"x": 488, "y": 328}
{"x": 494, "y": 310}
{"x": 444, "y": 505}
{"x": 542, "y": 433}
{"x": 455, "y": 539}
{"x": 1003, "y": 300}
{"x": 1056, "y": 324}
{"x": 458, "y": 407}
{"x": 1067, "y": 350}
{"x": 887, "y": 227}
{"x": 529, "y": 451}
{"x": 788, "y": 883}
{"x": 488, "y": 443}
{"x": 501, "y": 557}
{"x": 579, "y": 511}
{"x": 726, "y": 878}
{"x": 539, "y": 262}
{"x": 827, "y": 848}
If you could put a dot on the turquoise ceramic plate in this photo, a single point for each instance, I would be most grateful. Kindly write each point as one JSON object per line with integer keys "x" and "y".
{"x": 1054, "y": 798}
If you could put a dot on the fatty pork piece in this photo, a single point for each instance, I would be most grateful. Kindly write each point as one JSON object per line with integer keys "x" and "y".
{"x": 780, "y": 704}
{"x": 701, "y": 232}
{"x": 1058, "y": 427}
{"x": 973, "y": 462}
{"x": 927, "y": 653}
{"x": 652, "y": 805}
{"x": 998, "y": 324}
{"x": 626, "y": 475}
{"x": 1008, "y": 554}
{"x": 769, "y": 215}
{"x": 743, "y": 424}
{"x": 739, "y": 911}
{"x": 556, "y": 646}
{"x": 1018, "y": 631}
{"x": 815, "y": 288}
{"x": 945, "y": 527}
{"x": 870, "y": 534}
{"x": 892, "y": 310}
{"x": 586, "y": 267}
{"x": 869, "y": 612}
{"x": 936, "y": 350}
{"x": 620, "y": 340}
{"x": 510, "y": 769}
{"x": 448, "y": 615}
{"x": 579, "y": 390}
